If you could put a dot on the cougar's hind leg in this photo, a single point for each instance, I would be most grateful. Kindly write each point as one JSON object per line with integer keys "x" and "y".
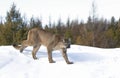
{"x": 22, "y": 48}
{"x": 24, "y": 45}
{"x": 35, "y": 49}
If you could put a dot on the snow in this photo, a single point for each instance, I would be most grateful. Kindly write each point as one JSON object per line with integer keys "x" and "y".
{"x": 89, "y": 62}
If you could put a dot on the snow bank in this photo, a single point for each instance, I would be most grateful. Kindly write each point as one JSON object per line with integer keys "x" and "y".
{"x": 89, "y": 62}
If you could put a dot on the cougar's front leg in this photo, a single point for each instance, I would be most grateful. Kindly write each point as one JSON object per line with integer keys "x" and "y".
{"x": 50, "y": 55}
{"x": 64, "y": 54}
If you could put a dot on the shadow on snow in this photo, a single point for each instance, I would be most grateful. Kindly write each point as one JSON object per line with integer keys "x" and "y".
{"x": 74, "y": 56}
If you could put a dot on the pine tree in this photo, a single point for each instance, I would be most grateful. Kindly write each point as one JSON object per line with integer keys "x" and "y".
{"x": 2, "y": 41}
{"x": 118, "y": 34}
{"x": 59, "y": 25}
{"x": 13, "y": 24}
{"x": 35, "y": 23}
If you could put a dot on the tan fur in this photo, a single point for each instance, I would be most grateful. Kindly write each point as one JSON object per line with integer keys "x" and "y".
{"x": 37, "y": 37}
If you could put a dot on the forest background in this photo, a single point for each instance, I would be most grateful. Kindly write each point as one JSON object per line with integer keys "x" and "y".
{"x": 96, "y": 32}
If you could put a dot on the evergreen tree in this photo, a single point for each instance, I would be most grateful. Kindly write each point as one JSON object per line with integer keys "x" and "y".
{"x": 59, "y": 25}
{"x": 13, "y": 24}
{"x": 35, "y": 23}
{"x": 1, "y": 33}
{"x": 68, "y": 22}
{"x": 118, "y": 34}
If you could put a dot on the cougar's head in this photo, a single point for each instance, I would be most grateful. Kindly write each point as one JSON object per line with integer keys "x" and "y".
{"x": 63, "y": 44}
{"x": 67, "y": 42}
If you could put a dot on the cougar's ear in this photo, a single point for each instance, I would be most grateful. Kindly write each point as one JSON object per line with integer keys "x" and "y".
{"x": 69, "y": 40}
{"x": 63, "y": 40}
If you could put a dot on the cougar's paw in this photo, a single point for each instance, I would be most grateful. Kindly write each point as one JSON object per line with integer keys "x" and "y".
{"x": 69, "y": 62}
{"x": 35, "y": 58}
{"x": 52, "y": 61}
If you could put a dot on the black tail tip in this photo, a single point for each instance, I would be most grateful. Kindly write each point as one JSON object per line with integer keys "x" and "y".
{"x": 14, "y": 44}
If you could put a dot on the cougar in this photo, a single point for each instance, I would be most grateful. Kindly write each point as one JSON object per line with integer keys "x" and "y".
{"x": 37, "y": 37}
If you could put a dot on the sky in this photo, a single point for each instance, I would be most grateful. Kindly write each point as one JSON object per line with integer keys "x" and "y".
{"x": 55, "y": 9}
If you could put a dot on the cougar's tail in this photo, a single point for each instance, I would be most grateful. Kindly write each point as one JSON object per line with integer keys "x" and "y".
{"x": 16, "y": 46}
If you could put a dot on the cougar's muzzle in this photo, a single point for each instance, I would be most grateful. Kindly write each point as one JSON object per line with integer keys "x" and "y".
{"x": 68, "y": 46}
{"x": 68, "y": 42}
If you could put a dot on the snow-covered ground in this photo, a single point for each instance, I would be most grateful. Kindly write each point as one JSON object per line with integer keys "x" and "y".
{"x": 89, "y": 62}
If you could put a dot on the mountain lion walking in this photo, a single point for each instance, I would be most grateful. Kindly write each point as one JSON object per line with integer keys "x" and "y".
{"x": 37, "y": 37}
